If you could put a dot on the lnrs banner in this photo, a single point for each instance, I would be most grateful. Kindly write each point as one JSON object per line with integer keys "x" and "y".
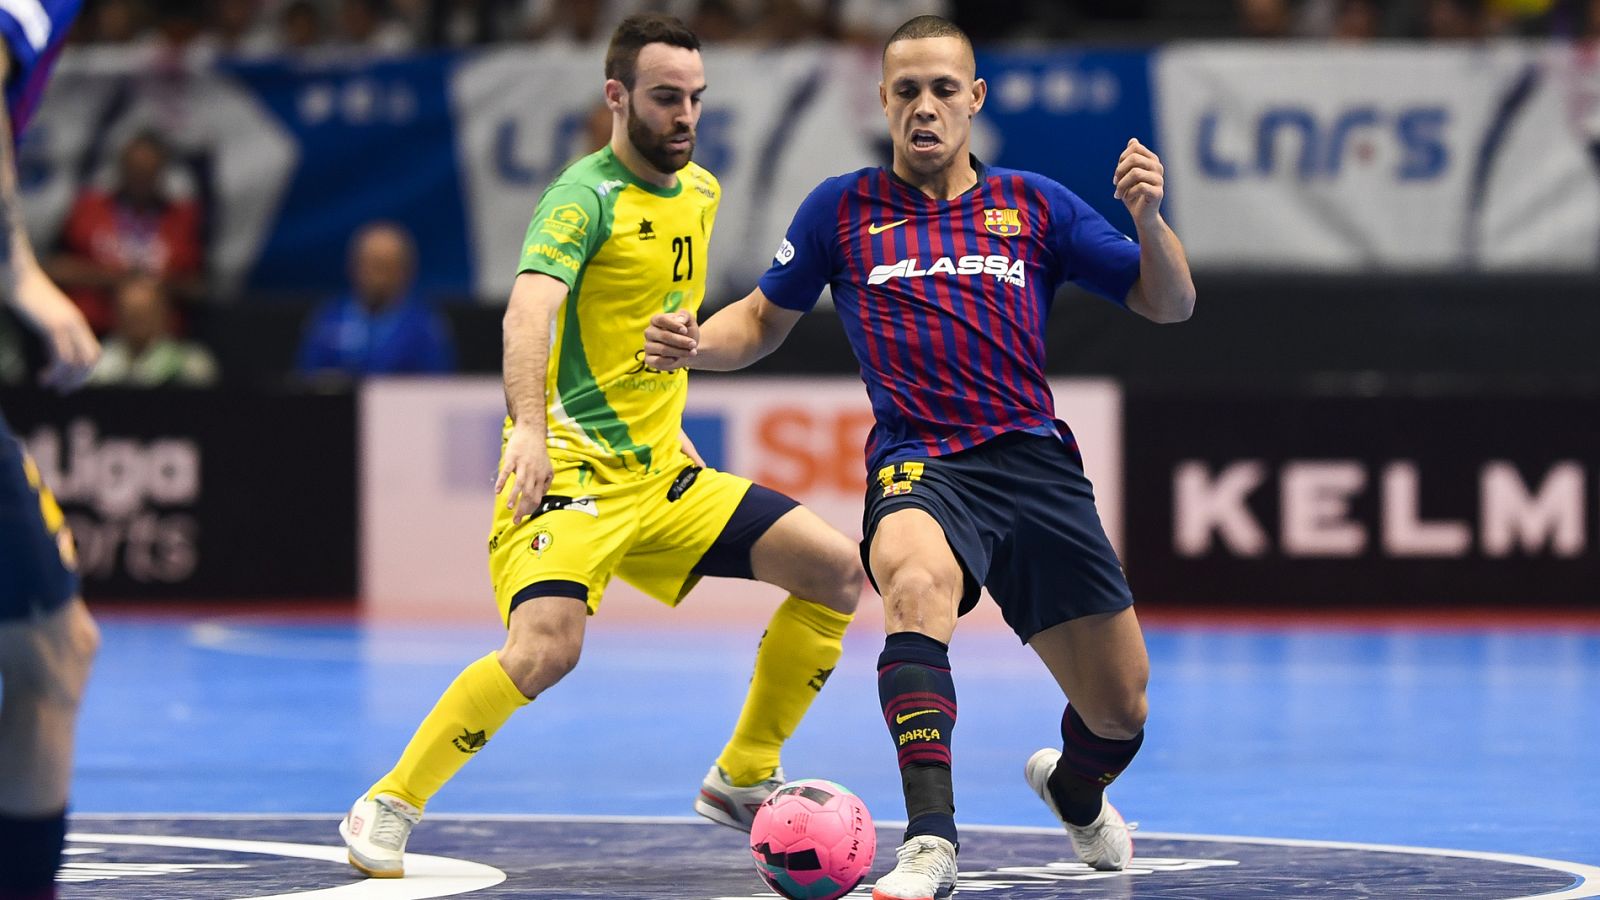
{"x": 1353, "y": 159}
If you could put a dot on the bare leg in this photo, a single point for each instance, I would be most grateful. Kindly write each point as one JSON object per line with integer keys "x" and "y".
{"x": 810, "y": 559}
{"x": 918, "y": 574}
{"x": 543, "y": 643}
{"x": 44, "y": 665}
{"x": 1101, "y": 665}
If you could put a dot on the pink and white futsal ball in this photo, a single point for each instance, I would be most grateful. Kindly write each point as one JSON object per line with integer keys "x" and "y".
{"x": 813, "y": 840}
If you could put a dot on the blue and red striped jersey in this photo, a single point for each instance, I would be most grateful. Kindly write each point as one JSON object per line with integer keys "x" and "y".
{"x": 34, "y": 31}
{"x": 945, "y": 301}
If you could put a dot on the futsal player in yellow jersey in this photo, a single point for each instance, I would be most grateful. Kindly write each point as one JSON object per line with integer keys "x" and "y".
{"x": 595, "y": 478}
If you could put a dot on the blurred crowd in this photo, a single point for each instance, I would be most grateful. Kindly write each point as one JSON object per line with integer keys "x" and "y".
{"x": 1439, "y": 20}
{"x": 131, "y": 251}
{"x": 131, "y": 256}
{"x": 268, "y": 27}
{"x": 247, "y": 28}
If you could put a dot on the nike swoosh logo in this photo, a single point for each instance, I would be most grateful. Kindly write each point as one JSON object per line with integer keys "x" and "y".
{"x": 878, "y": 229}
{"x": 903, "y": 717}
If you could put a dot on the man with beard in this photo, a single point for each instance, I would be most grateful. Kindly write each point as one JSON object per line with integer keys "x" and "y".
{"x": 595, "y": 476}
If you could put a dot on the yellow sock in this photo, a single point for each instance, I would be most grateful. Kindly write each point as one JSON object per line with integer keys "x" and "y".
{"x": 798, "y": 653}
{"x": 469, "y": 712}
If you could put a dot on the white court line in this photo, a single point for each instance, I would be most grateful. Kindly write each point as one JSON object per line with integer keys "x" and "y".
{"x": 1587, "y": 886}
{"x": 426, "y": 876}
{"x": 259, "y": 642}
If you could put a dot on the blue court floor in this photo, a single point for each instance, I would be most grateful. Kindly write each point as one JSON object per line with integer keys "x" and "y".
{"x": 1471, "y": 739}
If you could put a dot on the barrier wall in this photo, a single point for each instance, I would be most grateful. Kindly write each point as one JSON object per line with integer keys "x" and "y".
{"x": 201, "y": 495}
{"x": 430, "y": 451}
{"x": 1270, "y": 497}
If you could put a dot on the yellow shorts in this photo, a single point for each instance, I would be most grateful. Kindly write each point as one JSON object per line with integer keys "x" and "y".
{"x": 651, "y": 532}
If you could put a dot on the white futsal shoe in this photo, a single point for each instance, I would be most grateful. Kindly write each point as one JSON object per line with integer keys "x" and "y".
{"x": 734, "y": 807}
{"x": 1103, "y": 844}
{"x": 376, "y": 831}
{"x": 926, "y": 871}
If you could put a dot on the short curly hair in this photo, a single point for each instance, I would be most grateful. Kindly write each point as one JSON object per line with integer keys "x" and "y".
{"x": 636, "y": 32}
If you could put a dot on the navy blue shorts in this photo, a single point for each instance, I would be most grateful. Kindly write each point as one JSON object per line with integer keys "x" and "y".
{"x": 1020, "y": 516}
{"x": 37, "y": 566}
{"x": 729, "y": 555}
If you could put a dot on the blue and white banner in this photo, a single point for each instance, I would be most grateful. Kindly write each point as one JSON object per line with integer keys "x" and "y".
{"x": 1348, "y": 159}
{"x": 775, "y": 125}
{"x": 1068, "y": 115}
{"x": 374, "y": 143}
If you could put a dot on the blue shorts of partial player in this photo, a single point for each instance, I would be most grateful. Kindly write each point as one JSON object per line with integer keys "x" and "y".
{"x": 38, "y": 565}
{"x": 1019, "y": 515}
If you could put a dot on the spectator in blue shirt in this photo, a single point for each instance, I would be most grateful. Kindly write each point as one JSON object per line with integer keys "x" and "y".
{"x": 381, "y": 327}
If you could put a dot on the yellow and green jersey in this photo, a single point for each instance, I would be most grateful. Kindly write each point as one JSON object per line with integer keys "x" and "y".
{"x": 626, "y": 250}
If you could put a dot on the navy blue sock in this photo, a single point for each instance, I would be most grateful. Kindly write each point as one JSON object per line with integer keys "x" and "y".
{"x": 30, "y": 852}
{"x": 919, "y": 706}
{"x": 1089, "y": 762}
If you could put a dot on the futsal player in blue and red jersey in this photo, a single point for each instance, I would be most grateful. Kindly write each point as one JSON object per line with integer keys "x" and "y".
{"x": 943, "y": 271}
{"x": 47, "y": 638}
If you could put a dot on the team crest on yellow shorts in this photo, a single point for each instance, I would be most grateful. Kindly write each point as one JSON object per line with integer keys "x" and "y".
{"x": 1004, "y": 222}
{"x": 541, "y": 542}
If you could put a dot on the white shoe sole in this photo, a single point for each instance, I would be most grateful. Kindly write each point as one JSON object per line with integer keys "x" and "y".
{"x": 367, "y": 867}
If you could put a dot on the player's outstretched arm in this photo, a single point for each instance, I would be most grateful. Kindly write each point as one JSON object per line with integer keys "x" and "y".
{"x": 1165, "y": 289}
{"x": 525, "y": 462}
{"x": 734, "y": 337}
{"x": 24, "y": 285}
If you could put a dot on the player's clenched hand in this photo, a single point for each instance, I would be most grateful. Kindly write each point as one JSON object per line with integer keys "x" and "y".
{"x": 670, "y": 340}
{"x": 525, "y": 467}
{"x": 1140, "y": 181}
{"x": 72, "y": 346}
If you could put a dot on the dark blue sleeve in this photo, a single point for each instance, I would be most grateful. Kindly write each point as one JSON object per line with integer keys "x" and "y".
{"x": 804, "y": 263}
{"x": 440, "y": 354}
{"x": 1089, "y": 251}
{"x": 23, "y": 53}
{"x": 316, "y": 353}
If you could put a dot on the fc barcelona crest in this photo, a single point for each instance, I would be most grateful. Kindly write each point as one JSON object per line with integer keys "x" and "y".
{"x": 1004, "y": 222}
